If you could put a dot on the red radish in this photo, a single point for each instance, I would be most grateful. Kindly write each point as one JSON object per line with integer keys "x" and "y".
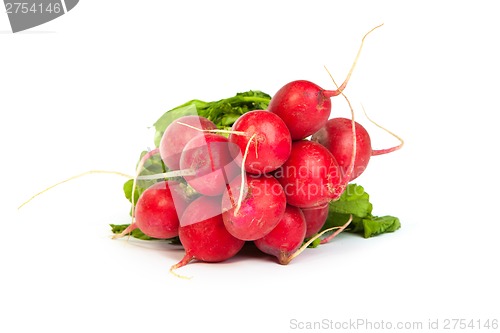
{"x": 211, "y": 159}
{"x": 304, "y": 106}
{"x": 311, "y": 176}
{"x": 260, "y": 209}
{"x": 286, "y": 237}
{"x": 158, "y": 210}
{"x": 337, "y": 137}
{"x": 176, "y": 136}
{"x": 140, "y": 165}
{"x": 271, "y": 145}
{"x": 203, "y": 235}
{"x": 315, "y": 219}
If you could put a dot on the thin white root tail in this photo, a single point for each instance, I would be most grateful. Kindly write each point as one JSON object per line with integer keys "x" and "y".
{"x": 72, "y": 178}
{"x": 286, "y": 260}
{"x": 214, "y": 130}
{"x": 386, "y": 150}
{"x": 242, "y": 186}
{"x": 350, "y": 170}
{"x": 339, "y": 230}
{"x": 125, "y": 232}
{"x": 344, "y": 84}
{"x": 169, "y": 174}
{"x": 184, "y": 261}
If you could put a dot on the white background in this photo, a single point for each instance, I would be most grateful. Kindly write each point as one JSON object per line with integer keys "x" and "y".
{"x": 80, "y": 92}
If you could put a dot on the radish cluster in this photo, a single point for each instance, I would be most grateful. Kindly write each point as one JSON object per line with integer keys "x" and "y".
{"x": 256, "y": 185}
{"x": 263, "y": 181}
{"x": 246, "y": 187}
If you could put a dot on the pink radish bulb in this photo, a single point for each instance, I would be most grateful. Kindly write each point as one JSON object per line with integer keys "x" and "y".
{"x": 211, "y": 157}
{"x": 158, "y": 210}
{"x": 311, "y": 176}
{"x": 337, "y": 137}
{"x": 203, "y": 235}
{"x": 176, "y": 136}
{"x": 304, "y": 107}
{"x": 262, "y": 207}
{"x": 271, "y": 145}
{"x": 286, "y": 237}
{"x": 315, "y": 219}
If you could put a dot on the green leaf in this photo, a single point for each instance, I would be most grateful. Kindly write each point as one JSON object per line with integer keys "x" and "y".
{"x": 223, "y": 112}
{"x": 153, "y": 165}
{"x": 338, "y": 219}
{"x": 353, "y": 201}
{"x": 356, "y": 202}
{"x": 375, "y": 225}
{"x": 127, "y": 189}
{"x": 314, "y": 244}
{"x": 168, "y": 117}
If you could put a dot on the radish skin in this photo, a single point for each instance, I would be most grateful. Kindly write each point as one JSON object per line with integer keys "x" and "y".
{"x": 158, "y": 210}
{"x": 177, "y": 135}
{"x": 203, "y": 235}
{"x": 211, "y": 158}
{"x": 260, "y": 211}
{"x": 286, "y": 237}
{"x": 337, "y": 137}
{"x": 271, "y": 145}
{"x": 311, "y": 176}
{"x": 315, "y": 219}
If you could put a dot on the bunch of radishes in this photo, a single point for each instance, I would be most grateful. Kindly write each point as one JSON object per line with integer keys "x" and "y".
{"x": 262, "y": 181}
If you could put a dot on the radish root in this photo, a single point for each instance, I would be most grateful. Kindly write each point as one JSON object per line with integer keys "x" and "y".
{"x": 72, "y": 178}
{"x": 213, "y": 131}
{"x": 332, "y": 236}
{"x": 242, "y": 186}
{"x": 125, "y": 232}
{"x": 350, "y": 170}
{"x": 333, "y": 93}
{"x": 169, "y": 174}
{"x": 285, "y": 259}
{"x": 386, "y": 150}
{"x": 184, "y": 261}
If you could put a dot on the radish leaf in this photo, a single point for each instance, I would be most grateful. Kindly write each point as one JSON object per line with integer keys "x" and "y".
{"x": 356, "y": 202}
